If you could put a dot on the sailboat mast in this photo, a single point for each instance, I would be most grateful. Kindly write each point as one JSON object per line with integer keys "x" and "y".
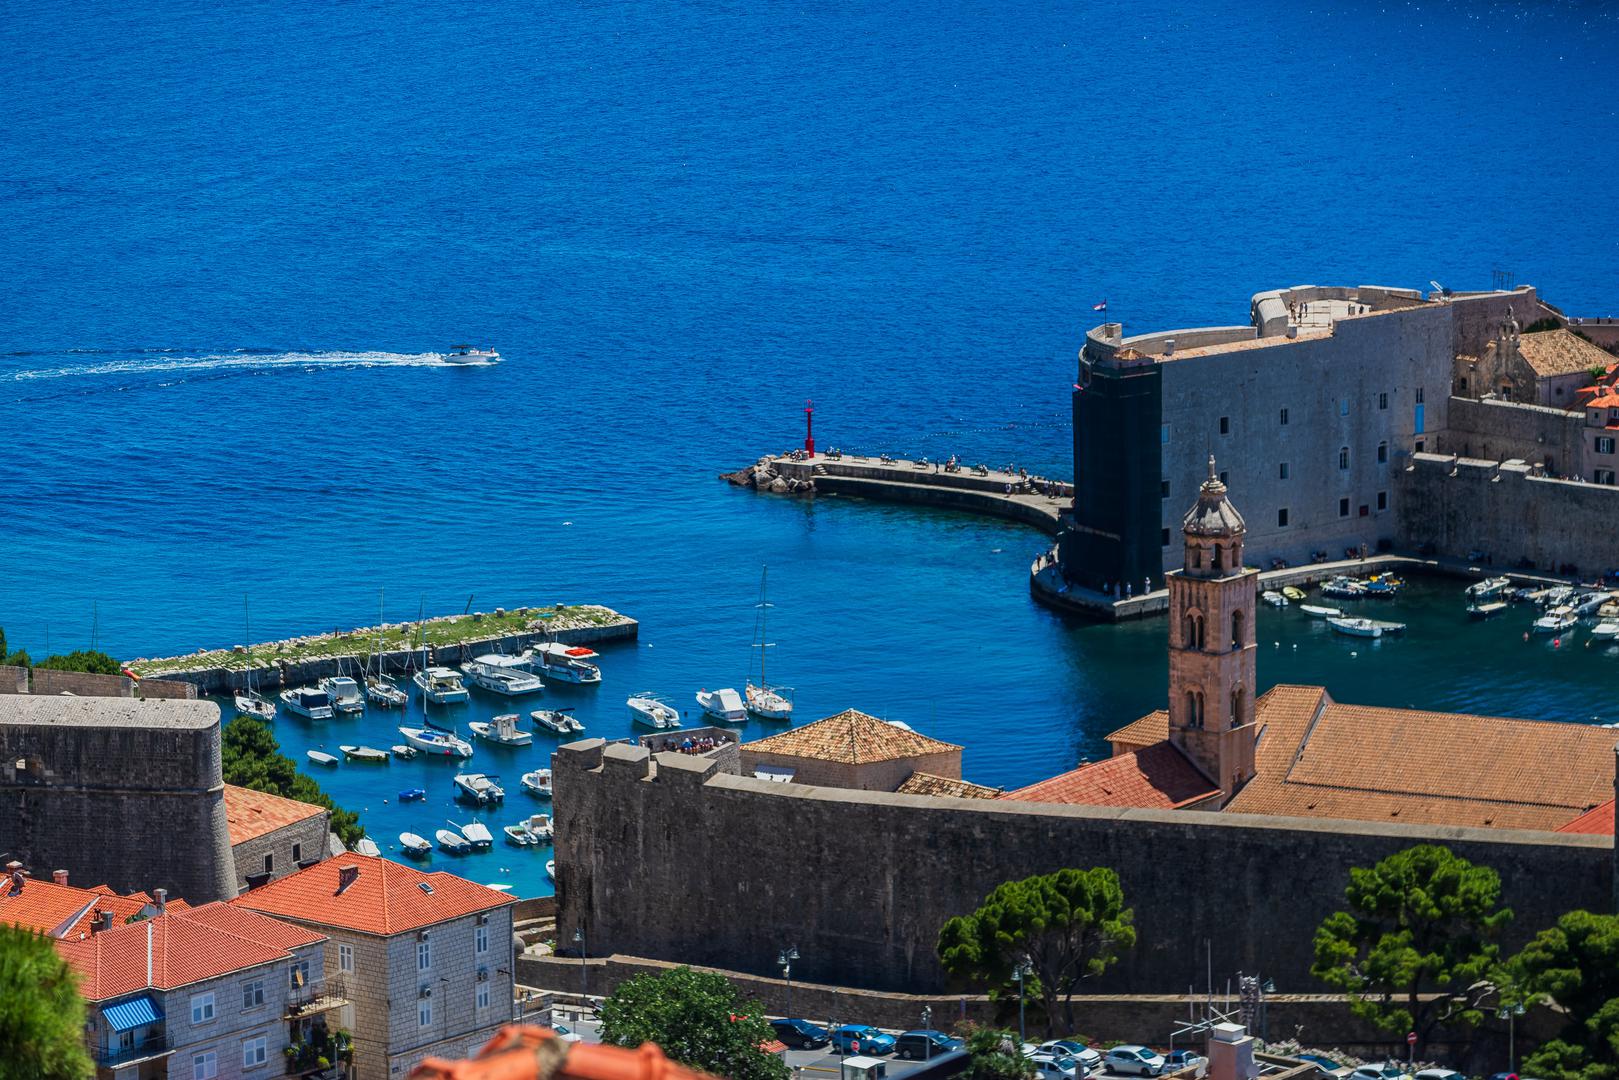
{"x": 764, "y": 623}
{"x": 247, "y": 623}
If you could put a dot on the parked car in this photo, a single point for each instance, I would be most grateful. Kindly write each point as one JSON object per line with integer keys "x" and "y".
{"x": 801, "y": 1034}
{"x": 1091, "y": 1059}
{"x": 924, "y": 1043}
{"x": 1058, "y": 1068}
{"x": 1386, "y": 1071}
{"x": 1326, "y": 1068}
{"x": 1176, "y": 1060}
{"x": 1439, "y": 1074}
{"x": 1133, "y": 1060}
{"x": 869, "y": 1040}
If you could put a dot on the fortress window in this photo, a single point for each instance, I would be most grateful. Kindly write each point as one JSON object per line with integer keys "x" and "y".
{"x": 1282, "y": 473}
{"x": 1236, "y": 706}
{"x": 1163, "y": 537}
{"x": 1225, "y": 477}
{"x": 1382, "y": 401}
{"x": 1382, "y": 453}
{"x": 1343, "y": 507}
{"x": 1382, "y": 500}
{"x": 1163, "y": 434}
{"x": 1194, "y": 709}
{"x": 1225, "y": 425}
{"x": 1343, "y": 406}
{"x": 1420, "y": 444}
{"x": 1163, "y": 489}
{"x": 1605, "y": 444}
{"x": 424, "y": 955}
{"x": 1419, "y": 395}
{"x": 1284, "y": 418}
{"x": 1281, "y": 518}
{"x": 1604, "y": 476}
{"x": 1343, "y": 457}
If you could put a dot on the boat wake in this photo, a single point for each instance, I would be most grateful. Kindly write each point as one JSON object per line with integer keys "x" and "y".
{"x": 162, "y": 362}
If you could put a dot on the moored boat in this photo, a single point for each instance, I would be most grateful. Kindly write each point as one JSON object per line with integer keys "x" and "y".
{"x": 1293, "y": 593}
{"x": 1607, "y": 628}
{"x": 403, "y": 750}
{"x": 414, "y": 794}
{"x": 320, "y": 757}
{"x": 440, "y": 685}
{"x": 724, "y": 705}
{"x": 1556, "y": 621}
{"x": 770, "y": 702}
{"x": 478, "y": 788}
{"x": 762, "y": 699}
{"x": 415, "y": 846}
{"x": 538, "y": 783}
{"x": 1486, "y": 610}
{"x": 1273, "y": 598}
{"x": 383, "y": 693}
{"x": 1316, "y": 611}
{"x": 566, "y": 663}
{"x": 255, "y": 705}
{"x": 502, "y": 675}
{"x": 434, "y": 741}
{"x": 453, "y": 841}
{"x": 368, "y": 754}
{"x": 308, "y": 702}
{"x": 367, "y": 846}
{"x": 551, "y": 869}
{"x": 518, "y": 834}
{"x": 344, "y": 692}
{"x": 560, "y": 721}
{"x": 502, "y": 729}
{"x": 540, "y": 827}
{"x": 1356, "y": 627}
{"x": 476, "y": 833}
{"x": 1489, "y": 588}
{"x": 653, "y": 711}
{"x": 1344, "y": 588}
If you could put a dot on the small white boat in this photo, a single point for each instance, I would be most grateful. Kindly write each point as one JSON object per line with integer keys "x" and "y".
{"x": 404, "y": 750}
{"x": 1388, "y": 627}
{"x": 413, "y": 845}
{"x": 566, "y": 663}
{"x": 308, "y": 702}
{"x": 383, "y": 693}
{"x": 1486, "y": 610}
{"x": 502, "y": 729}
{"x": 538, "y": 783}
{"x": 440, "y": 685}
{"x": 1356, "y": 627}
{"x": 1273, "y": 598}
{"x": 499, "y": 887}
{"x": 653, "y": 712}
{"x": 476, "y": 833}
{"x": 453, "y": 842}
{"x": 764, "y": 700}
{"x": 466, "y": 354}
{"x": 723, "y": 705}
{"x": 367, "y": 846}
{"x": 558, "y": 720}
{"x": 541, "y": 828}
{"x": 320, "y": 757}
{"x": 434, "y": 741}
{"x": 255, "y": 705}
{"x": 367, "y": 754}
{"x": 551, "y": 869}
{"x": 1344, "y": 588}
{"x": 1590, "y": 603}
{"x": 518, "y": 834}
{"x": 1556, "y": 621}
{"x": 1489, "y": 588}
{"x": 478, "y": 788}
{"x": 1316, "y": 611}
{"x": 770, "y": 702}
{"x": 1607, "y": 628}
{"x": 502, "y": 675}
{"x": 345, "y": 694}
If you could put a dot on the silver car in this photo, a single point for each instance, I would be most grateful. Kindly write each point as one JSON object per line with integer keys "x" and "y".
{"x": 1133, "y": 1061}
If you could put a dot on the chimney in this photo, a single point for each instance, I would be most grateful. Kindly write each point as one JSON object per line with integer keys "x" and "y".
{"x": 60, "y": 876}
{"x": 160, "y": 897}
{"x": 1169, "y": 347}
{"x": 1231, "y": 1053}
{"x": 347, "y": 875}
{"x": 100, "y": 920}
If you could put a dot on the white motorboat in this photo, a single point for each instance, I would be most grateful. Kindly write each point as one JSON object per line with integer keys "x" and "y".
{"x": 344, "y": 692}
{"x": 367, "y": 846}
{"x": 440, "y": 685}
{"x": 1388, "y": 627}
{"x": 369, "y": 755}
{"x": 566, "y": 663}
{"x": 502, "y": 675}
{"x": 1273, "y": 598}
{"x": 723, "y": 705}
{"x": 320, "y": 757}
{"x": 764, "y": 700}
{"x": 1556, "y": 621}
{"x": 1486, "y": 610}
{"x": 453, "y": 842}
{"x": 383, "y": 693}
{"x": 413, "y": 845}
{"x": 1344, "y": 588}
{"x": 558, "y": 720}
{"x": 403, "y": 750}
{"x": 434, "y": 741}
{"x": 308, "y": 702}
{"x": 1590, "y": 603}
{"x": 476, "y": 833}
{"x": 653, "y": 712}
{"x": 478, "y": 788}
{"x": 1489, "y": 588}
{"x": 1316, "y": 611}
{"x": 502, "y": 729}
{"x": 538, "y": 783}
{"x": 466, "y": 354}
{"x": 1607, "y": 628}
{"x": 518, "y": 834}
{"x": 541, "y": 828}
{"x": 551, "y": 869}
{"x": 1356, "y": 627}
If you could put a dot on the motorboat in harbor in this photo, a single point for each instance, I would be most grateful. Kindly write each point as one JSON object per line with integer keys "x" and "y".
{"x": 434, "y": 741}
{"x": 479, "y": 788}
{"x": 536, "y": 830}
{"x": 1486, "y": 610}
{"x": 1344, "y": 588}
{"x": 566, "y": 663}
{"x": 653, "y": 712}
{"x": 414, "y": 794}
{"x": 764, "y": 700}
{"x": 1273, "y": 598}
{"x": 466, "y": 354}
{"x": 541, "y": 827}
{"x": 367, "y": 846}
{"x": 538, "y": 783}
{"x": 1356, "y": 627}
{"x": 1489, "y": 588}
{"x": 366, "y": 754}
{"x": 1383, "y": 586}
{"x": 551, "y": 869}
{"x": 1607, "y": 628}
{"x": 498, "y": 674}
{"x": 502, "y": 729}
{"x": 345, "y": 694}
{"x": 307, "y": 702}
{"x": 415, "y": 846}
{"x": 1590, "y": 603}
{"x": 1388, "y": 627}
{"x": 320, "y": 757}
{"x": 476, "y": 833}
{"x": 384, "y": 694}
{"x": 452, "y": 841}
{"x": 440, "y": 685}
{"x": 1316, "y": 611}
{"x": 518, "y": 834}
{"x": 1293, "y": 593}
{"x": 560, "y": 721}
{"x": 1556, "y": 621}
{"x": 723, "y": 705}
{"x": 404, "y": 750}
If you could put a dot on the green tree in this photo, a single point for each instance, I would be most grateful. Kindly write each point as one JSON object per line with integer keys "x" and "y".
{"x": 698, "y": 1019}
{"x": 1070, "y": 925}
{"x": 1576, "y": 965}
{"x": 89, "y": 660}
{"x": 251, "y": 758}
{"x": 1420, "y": 923}
{"x": 41, "y": 1012}
{"x": 992, "y": 1054}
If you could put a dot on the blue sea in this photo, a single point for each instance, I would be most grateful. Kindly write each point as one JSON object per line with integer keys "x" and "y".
{"x": 238, "y": 240}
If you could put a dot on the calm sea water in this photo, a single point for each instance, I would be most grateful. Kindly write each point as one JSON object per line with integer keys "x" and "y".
{"x": 237, "y": 240}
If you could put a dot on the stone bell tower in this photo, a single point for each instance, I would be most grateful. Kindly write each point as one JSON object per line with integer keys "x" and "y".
{"x": 1211, "y": 642}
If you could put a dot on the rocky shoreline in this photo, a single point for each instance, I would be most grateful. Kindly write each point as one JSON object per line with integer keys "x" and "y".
{"x": 762, "y": 476}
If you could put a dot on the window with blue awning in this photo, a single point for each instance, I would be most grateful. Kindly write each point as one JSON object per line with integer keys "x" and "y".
{"x": 131, "y": 1014}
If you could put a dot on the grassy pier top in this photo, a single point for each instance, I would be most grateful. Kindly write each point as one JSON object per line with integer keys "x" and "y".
{"x": 396, "y": 637}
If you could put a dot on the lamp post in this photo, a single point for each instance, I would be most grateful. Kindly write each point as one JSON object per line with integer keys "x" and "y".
{"x": 785, "y": 962}
{"x": 927, "y": 1025}
{"x": 1510, "y": 1014}
{"x": 1019, "y": 975}
{"x": 584, "y": 974}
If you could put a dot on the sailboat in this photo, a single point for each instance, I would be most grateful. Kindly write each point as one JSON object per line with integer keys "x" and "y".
{"x": 379, "y": 689}
{"x": 252, "y": 703}
{"x": 764, "y": 700}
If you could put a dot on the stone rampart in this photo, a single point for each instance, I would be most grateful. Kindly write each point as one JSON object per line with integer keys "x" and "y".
{"x": 1465, "y": 505}
{"x": 82, "y": 684}
{"x": 1507, "y": 430}
{"x": 861, "y": 882}
{"x": 1042, "y": 514}
{"x": 13, "y": 680}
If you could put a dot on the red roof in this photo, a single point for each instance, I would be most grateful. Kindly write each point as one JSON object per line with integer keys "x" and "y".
{"x": 1156, "y": 777}
{"x": 250, "y": 814}
{"x": 1597, "y": 821}
{"x": 60, "y": 910}
{"x": 176, "y": 949}
{"x": 385, "y": 898}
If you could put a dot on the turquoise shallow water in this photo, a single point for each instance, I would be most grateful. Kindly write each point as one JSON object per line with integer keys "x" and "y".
{"x": 237, "y": 239}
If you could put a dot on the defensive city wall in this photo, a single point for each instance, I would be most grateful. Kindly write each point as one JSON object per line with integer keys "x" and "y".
{"x": 667, "y": 857}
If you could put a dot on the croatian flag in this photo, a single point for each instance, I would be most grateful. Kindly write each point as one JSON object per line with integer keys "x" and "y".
{"x": 1099, "y": 307}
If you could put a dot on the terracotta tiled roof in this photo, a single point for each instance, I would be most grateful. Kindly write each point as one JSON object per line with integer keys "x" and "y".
{"x": 927, "y": 784}
{"x": 386, "y": 898}
{"x": 177, "y": 948}
{"x": 250, "y": 924}
{"x": 1594, "y": 822}
{"x": 1154, "y": 727}
{"x": 1158, "y": 777}
{"x": 1559, "y": 352}
{"x": 851, "y": 738}
{"x": 62, "y": 910}
{"x": 251, "y": 814}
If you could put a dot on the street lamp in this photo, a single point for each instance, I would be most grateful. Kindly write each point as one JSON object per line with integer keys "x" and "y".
{"x": 785, "y": 961}
{"x": 584, "y": 974}
{"x": 1020, "y": 975}
{"x": 927, "y": 1025}
{"x": 1510, "y": 1014}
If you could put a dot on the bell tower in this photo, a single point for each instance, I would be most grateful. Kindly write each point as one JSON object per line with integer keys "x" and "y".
{"x": 1211, "y": 642}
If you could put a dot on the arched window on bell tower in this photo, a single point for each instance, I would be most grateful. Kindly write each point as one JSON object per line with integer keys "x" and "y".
{"x": 1194, "y": 708}
{"x": 1237, "y": 695}
{"x": 1239, "y": 629}
{"x": 1192, "y": 629}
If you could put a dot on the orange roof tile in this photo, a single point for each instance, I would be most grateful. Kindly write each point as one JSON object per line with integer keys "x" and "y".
{"x": 1156, "y": 777}
{"x": 1154, "y": 727}
{"x": 851, "y": 738}
{"x": 386, "y": 898}
{"x": 927, "y": 784}
{"x": 250, "y": 814}
{"x": 1594, "y": 822}
{"x": 63, "y": 910}
{"x": 1560, "y": 352}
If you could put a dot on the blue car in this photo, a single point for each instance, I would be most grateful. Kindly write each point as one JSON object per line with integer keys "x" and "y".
{"x": 862, "y": 1039}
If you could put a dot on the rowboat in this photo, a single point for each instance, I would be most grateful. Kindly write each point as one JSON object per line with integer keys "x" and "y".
{"x": 453, "y": 842}
{"x": 1315, "y": 611}
{"x": 414, "y": 846}
{"x": 1293, "y": 593}
{"x": 367, "y": 754}
{"x": 1273, "y": 598}
{"x": 321, "y": 757}
{"x": 1356, "y": 627}
{"x": 1486, "y": 610}
{"x": 367, "y": 846}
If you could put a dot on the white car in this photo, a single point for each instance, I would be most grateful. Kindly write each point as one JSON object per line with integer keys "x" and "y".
{"x": 1091, "y": 1059}
{"x": 1386, "y": 1071}
{"x": 1058, "y": 1068}
{"x": 1133, "y": 1061}
{"x": 1439, "y": 1074}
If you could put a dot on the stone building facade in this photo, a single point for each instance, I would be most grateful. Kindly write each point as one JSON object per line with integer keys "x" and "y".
{"x": 851, "y": 750}
{"x": 272, "y": 836}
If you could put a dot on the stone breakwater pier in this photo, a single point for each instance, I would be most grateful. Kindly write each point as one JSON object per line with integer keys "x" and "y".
{"x": 400, "y": 647}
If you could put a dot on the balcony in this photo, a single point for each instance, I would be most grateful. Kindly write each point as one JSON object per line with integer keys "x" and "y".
{"x": 322, "y": 1055}
{"x": 318, "y": 997}
{"x": 155, "y": 1045}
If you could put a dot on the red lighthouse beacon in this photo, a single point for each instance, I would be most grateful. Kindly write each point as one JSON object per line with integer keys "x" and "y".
{"x": 809, "y": 427}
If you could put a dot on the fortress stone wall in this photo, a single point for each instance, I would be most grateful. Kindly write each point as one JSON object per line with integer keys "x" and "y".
{"x": 669, "y": 858}
{"x": 116, "y": 791}
{"x": 1508, "y": 430}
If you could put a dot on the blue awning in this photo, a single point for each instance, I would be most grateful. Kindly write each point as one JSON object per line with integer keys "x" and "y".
{"x": 127, "y": 1015}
